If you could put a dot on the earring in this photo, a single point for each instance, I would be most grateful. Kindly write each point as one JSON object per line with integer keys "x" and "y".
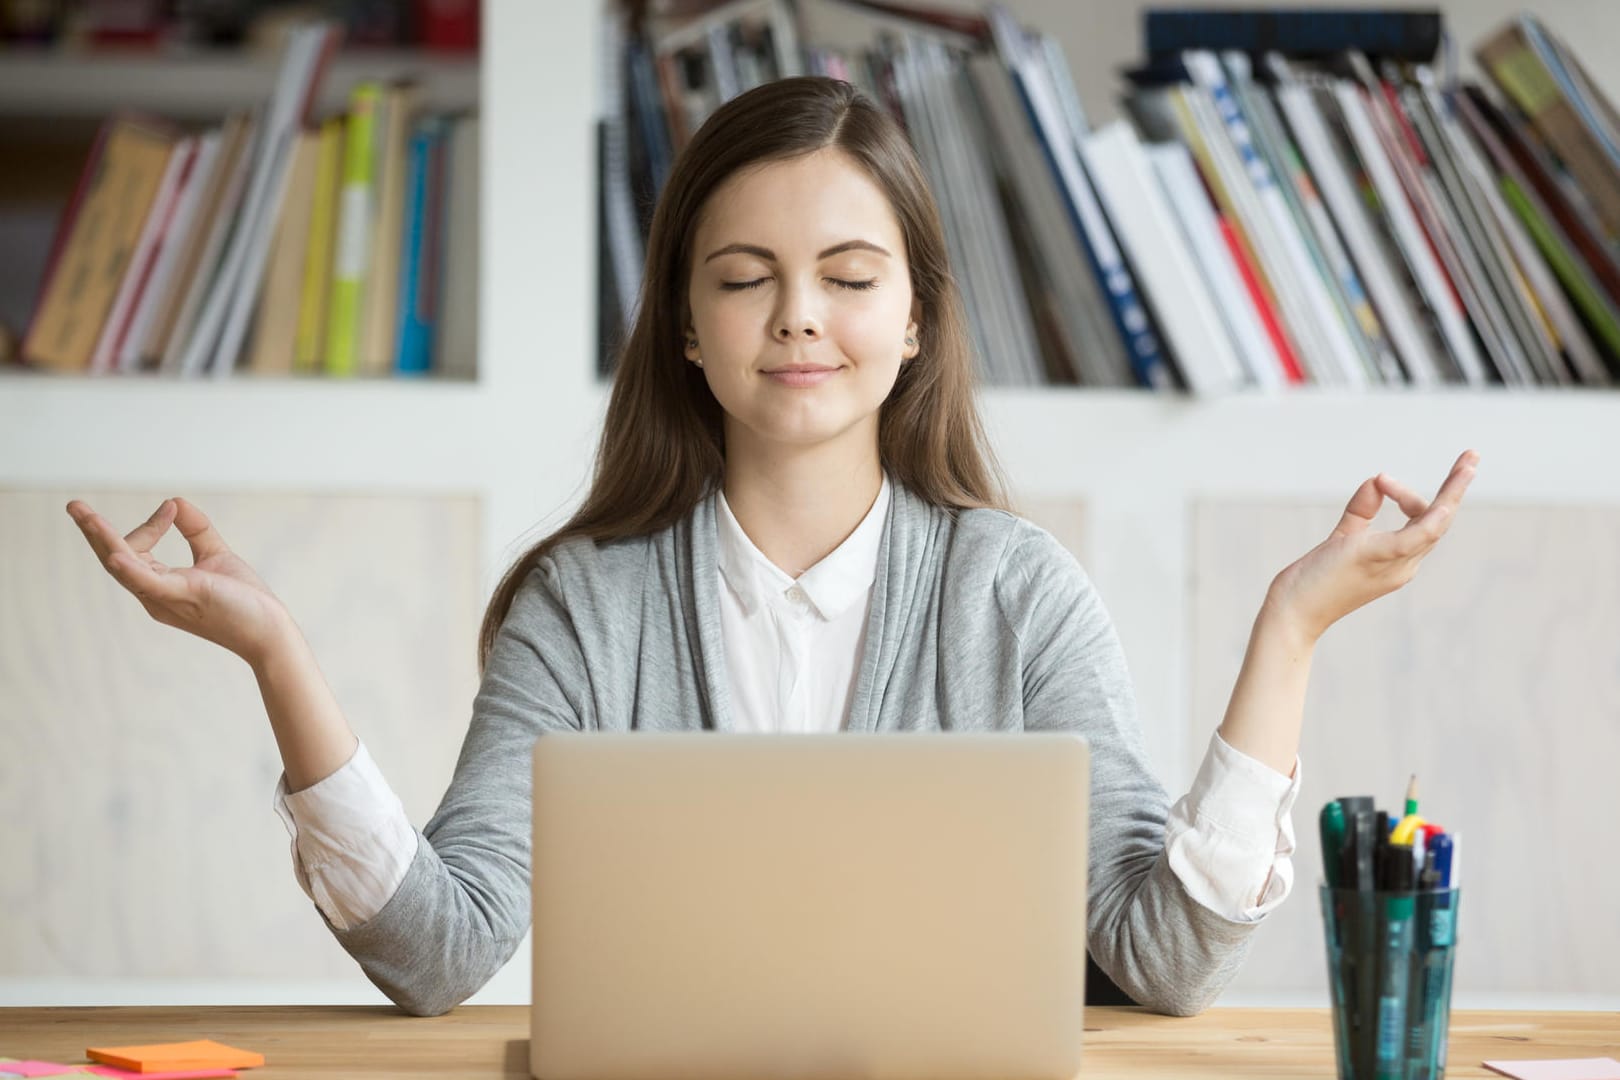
{"x": 911, "y": 341}
{"x": 699, "y": 363}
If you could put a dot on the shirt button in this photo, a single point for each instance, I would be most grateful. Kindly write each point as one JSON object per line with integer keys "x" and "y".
{"x": 796, "y": 595}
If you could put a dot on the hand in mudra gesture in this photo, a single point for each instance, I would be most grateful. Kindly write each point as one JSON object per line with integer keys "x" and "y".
{"x": 218, "y": 598}
{"x": 1355, "y": 565}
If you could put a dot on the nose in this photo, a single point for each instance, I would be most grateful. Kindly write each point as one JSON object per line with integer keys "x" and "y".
{"x": 796, "y": 319}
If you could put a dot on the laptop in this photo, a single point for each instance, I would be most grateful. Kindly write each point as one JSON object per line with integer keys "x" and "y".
{"x": 809, "y": 906}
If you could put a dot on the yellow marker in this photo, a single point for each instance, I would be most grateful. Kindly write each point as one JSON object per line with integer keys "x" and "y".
{"x": 1406, "y": 830}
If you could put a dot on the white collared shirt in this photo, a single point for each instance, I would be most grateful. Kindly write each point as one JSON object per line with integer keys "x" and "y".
{"x": 792, "y": 647}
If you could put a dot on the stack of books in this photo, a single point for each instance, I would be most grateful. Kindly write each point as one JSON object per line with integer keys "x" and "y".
{"x": 1292, "y": 198}
{"x": 274, "y": 244}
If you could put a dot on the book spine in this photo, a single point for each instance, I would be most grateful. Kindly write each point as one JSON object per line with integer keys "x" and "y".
{"x": 353, "y": 241}
{"x": 317, "y": 282}
{"x": 415, "y": 335}
{"x": 1142, "y": 345}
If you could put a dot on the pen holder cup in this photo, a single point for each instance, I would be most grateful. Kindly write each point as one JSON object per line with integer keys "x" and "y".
{"x": 1390, "y": 957}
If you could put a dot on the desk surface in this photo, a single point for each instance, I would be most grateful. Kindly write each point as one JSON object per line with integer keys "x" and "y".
{"x": 493, "y": 1040}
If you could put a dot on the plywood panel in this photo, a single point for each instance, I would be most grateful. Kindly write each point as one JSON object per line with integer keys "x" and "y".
{"x": 1494, "y": 675}
{"x": 136, "y": 763}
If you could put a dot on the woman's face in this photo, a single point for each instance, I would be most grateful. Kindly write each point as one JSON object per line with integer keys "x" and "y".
{"x": 801, "y": 302}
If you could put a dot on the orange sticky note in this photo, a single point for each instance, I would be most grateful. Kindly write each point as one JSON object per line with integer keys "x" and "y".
{"x": 176, "y": 1057}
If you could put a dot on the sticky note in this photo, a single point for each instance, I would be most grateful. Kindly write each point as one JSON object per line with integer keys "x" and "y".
{"x": 186, "y": 1074}
{"x": 13, "y": 1067}
{"x": 1566, "y": 1069}
{"x": 175, "y": 1057}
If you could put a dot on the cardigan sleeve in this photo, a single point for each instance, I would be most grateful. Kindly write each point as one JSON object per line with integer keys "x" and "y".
{"x": 463, "y": 906}
{"x": 1170, "y": 953}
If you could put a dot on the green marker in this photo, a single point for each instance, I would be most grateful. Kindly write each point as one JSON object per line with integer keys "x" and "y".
{"x": 1332, "y": 830}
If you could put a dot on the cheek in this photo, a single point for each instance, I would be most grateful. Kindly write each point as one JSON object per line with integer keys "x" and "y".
{"x": 873, "y": 333}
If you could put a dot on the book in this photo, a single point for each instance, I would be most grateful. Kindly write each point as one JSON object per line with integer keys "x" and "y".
{"x": 99, "y": 236}
{"x": 422, "y": 254}
{"x": 1300, "y": 33}
{"x": 216, "y": 216}
{"x": 1199, "y": 342}
{"x": 316, "y": 284}
{"x": 1059, "y": 133}
{"x": 1080, "y": 314}
{"x": 1574, "y": 132}
{"x": 1309, "y": 108}
{"x": 1545, "y": 303}
{"x": 456, "y": 339}
{"x": 1186, "y": 197}
{"x": 1313, "y": 222}
{"x": 376, "y": 348}
{"x": 132, "y": 353}
{"x": 147, "y": 248}
{"x": 216, "y": 338}
{"x": 352, "y": 246}
{"x": 273, "y": 345}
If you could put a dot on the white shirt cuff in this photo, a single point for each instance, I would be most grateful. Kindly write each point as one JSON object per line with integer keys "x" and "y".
{"x": 1230, "y": 839}
{"x": 352, "y": 842}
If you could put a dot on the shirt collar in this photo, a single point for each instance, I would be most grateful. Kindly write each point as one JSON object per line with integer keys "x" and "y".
{"x": 832, "y": 585}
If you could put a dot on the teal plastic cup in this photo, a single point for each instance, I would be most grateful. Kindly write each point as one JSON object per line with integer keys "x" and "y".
{"x": 1390, "y": 957}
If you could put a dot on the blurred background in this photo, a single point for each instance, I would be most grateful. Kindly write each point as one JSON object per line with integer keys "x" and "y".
{"x": 380, "y": 435}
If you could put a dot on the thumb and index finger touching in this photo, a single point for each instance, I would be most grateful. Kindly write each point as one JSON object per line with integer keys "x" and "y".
{"x": 123, "y": 555}
{"x": 1426, "y": 521}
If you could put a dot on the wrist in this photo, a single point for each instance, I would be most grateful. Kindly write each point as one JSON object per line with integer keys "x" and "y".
{"x": 1281, "y": 621}
{"x": 282, "y": 643}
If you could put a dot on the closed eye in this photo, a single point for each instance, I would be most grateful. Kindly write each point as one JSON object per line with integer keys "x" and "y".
{"x": 857, "y": 286}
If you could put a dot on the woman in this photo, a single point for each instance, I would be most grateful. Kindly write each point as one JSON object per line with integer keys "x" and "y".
{"x": 795, "y": 524}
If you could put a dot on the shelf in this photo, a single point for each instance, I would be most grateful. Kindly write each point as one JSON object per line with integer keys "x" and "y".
{"x": 1136, "y": 448}
{"x": 207, "y": 84}
{"x": 247, "y": 432}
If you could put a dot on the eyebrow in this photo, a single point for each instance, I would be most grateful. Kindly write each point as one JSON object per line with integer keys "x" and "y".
{"x": 770, "y": 256}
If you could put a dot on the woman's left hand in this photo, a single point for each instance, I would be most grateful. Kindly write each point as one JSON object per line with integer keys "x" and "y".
{"x": 1354, "y": 565}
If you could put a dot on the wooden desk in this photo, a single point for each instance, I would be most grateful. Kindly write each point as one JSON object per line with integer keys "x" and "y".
{"x": 493, "y": 1040}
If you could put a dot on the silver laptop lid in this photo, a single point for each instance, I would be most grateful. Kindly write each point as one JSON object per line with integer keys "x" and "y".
{"x": 725, "y": 905}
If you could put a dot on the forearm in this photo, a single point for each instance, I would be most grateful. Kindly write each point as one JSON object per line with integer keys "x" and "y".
{"x": 311, "y": 733}
{"x": 1267, "y": 709}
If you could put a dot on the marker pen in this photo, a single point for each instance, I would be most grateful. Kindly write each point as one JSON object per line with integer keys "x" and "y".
{"x": 1394, "y": 966}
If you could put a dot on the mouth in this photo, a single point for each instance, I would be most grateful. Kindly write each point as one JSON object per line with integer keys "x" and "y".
{"x": 801, "y": 374}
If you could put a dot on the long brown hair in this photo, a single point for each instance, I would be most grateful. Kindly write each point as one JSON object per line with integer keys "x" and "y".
{"x": 662, "y": 447}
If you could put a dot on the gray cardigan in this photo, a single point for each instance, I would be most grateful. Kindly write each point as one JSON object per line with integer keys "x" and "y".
{"x": 979, "y": 621}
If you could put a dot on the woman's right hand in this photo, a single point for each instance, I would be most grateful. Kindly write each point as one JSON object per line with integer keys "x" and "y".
{"x": 218, "y": 598}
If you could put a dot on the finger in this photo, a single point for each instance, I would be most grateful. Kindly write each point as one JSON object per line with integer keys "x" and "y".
{"x": 1411, "y": 503}
{"x": 1423, "y": 531}
{"x": 1457, "y": 481}
{"x": 104, "y": 539}
{"x": 1361, "y": 509}
{"x": 145, "y": 535}
{"x": 198, "y": 531}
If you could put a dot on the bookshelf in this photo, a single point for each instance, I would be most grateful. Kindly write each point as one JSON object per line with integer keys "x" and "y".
{"x": 1126, "y": 473}
{"x": 206, "y": 83}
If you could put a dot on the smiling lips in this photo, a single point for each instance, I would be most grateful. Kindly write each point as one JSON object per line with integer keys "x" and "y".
{"x": 801, "y": 374}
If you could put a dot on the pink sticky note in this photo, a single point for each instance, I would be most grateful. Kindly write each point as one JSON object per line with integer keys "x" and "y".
{"x": 190, "y": 1074}
{"x": 35, "y": 1068}
{"x": 1568, "y": 1069}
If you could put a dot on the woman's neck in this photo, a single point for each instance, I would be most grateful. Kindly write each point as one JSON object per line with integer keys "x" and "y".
{"x": 798, "y": 508}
